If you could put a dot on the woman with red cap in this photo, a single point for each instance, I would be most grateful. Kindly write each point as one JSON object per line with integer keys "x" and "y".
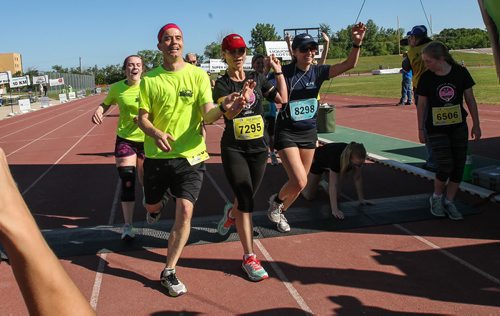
{"x": 243, "y": 143}
{"x": 295, "y": 135}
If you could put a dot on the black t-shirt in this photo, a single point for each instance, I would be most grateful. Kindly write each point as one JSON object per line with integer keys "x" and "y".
{"x": 328, "y": 156}
{"x": 301, "y": 86}
{"x": 225, "y": 86}
{"x": 444, "y": 91}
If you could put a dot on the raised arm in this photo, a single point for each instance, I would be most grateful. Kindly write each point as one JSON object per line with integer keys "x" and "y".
{"x": 357, "y": 34}
{"x": 326, "y": 47}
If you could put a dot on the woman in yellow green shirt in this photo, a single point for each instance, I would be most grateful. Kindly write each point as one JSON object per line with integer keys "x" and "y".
{"x": 129, "y": 146}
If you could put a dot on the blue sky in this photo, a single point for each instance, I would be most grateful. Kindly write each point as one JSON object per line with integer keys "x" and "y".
{"x": 47, "y": 32}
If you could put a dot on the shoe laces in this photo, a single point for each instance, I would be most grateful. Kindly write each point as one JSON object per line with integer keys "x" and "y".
{"x": 171, "y": 278}
{"x": 253, "y": 262}
{"x": 278, "y": 207}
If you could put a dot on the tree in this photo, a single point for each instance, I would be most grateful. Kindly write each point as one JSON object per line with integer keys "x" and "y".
{"x": 261, "y": 33}
{"x": 213, "y": 50}
{"x": 60, "y": 69}
{"x": 32, "y": 71}
{"x": 464, "y": 38}
{"x": 150, "y": 58}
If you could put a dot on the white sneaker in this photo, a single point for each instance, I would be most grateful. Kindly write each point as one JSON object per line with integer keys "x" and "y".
{"x": 275, "y": 209}
{"x": 128, "y": 232}
{"x": 283, "y": 225}
{"x": 174, "y": 286}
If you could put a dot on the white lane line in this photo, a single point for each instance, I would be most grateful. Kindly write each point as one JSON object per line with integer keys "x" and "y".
{"x": 281, "y": 275}
{"x": 448, "y": 254}
{"x": 221, "y": 193}
{"x": 96, "y": 289}
{"x": 98, "y": 281}
{"x": 40, "y": 122}
{"x": 58, "y": 160}
{"x": 49, "y": 132}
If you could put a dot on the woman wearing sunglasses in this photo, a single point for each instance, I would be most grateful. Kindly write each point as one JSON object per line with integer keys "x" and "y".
{"x": 243, "y": 143}
{"x": 338, "y": 159}
{"x": 295, "y": 135}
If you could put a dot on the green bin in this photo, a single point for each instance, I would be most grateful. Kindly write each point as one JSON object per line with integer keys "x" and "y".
{"x": 325, "y": 121}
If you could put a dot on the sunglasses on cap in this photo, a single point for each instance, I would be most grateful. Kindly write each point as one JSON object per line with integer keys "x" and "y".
{"x": 310, "y": 48}
{"x": 238, "y": 51}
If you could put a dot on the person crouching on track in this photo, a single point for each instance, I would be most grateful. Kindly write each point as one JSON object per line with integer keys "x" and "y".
{"x": 243, "y": 144}
{"x": 338, "y": 159}
{"x": 441, "y": 113}
{"x": 129, "y": 145}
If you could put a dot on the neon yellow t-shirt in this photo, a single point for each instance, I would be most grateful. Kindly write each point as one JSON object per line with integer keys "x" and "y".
{"x": 417, "y": 64}
{"x": 127, "y": 98}
{"x": 174, "y": 101}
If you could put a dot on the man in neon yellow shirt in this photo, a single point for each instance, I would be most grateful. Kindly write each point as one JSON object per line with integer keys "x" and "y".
{"x": 174, "y": 99}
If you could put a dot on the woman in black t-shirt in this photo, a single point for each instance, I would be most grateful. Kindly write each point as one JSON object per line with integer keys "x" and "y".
{"x": 442, "y": 90}
{"x": 243, "y": 143}
{"x": 338, "y": 159}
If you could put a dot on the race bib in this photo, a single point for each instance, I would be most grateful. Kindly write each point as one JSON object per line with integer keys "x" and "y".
{"x": 303, "y": 109}
{"x": 246, "y": 128}
{"x": 196, "y": 159}
{"x": 447, "y": 115}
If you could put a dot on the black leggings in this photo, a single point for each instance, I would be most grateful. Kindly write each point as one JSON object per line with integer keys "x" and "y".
{"x": 450, "y": 152}
{"x": 244, "y": 171}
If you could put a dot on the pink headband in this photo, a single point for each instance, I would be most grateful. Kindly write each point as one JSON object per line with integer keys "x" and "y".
{"x": 165, "y": 28}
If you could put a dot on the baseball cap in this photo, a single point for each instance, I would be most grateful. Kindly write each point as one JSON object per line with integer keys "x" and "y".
{"x": 233, "y": 41}
{"x": 302, "y": 40}
{"x": 165, "y": 28}
{"x": 418, "y": 30}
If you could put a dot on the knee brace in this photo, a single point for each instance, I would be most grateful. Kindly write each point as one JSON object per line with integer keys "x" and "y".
{"x": 127, "y": 175}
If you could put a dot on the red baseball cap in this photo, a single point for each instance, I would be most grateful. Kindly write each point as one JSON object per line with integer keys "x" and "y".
{"x": 233, "y": 41}
{"x": 165, "y": 28}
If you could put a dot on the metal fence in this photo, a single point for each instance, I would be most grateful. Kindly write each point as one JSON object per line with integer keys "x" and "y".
{"x": 76, "y": 81}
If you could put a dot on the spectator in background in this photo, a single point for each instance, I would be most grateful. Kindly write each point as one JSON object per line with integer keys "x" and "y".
{"x": 406, "y": 90}
{"x": 259, "y": 65}
{"x": 191, "y": 58}
{"x": 324, "y": 54}
{"x": 417, "y": 40}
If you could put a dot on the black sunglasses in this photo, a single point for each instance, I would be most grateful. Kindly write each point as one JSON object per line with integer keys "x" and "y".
{"x": 192, "y": 62}
{"x": 236, "y": 51}
{"x": 306, "y": 49}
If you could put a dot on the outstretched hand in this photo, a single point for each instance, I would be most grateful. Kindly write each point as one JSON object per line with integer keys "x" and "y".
{"x": 358, "y": 33}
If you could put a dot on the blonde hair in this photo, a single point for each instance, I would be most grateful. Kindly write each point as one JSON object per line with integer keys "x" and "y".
{"x": 352, "y": 149}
